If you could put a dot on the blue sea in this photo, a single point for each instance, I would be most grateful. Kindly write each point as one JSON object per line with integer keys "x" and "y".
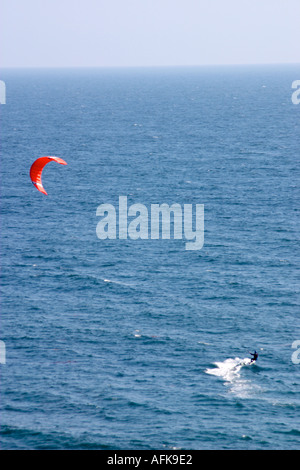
{"x": 119, "y": 344}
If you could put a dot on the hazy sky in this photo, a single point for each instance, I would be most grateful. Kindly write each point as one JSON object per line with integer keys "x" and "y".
{"x": 59, "y": 33}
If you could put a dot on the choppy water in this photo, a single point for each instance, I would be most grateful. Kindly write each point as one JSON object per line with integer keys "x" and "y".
{"x": 137, "y": 344}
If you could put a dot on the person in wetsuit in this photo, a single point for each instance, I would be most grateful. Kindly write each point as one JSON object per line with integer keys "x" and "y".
{"x": 255, "y": 356}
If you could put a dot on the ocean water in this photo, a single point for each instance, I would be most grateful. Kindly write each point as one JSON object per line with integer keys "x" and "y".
{"x": 142, "y": 344}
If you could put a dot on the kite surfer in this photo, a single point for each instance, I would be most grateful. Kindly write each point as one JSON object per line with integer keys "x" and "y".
{"x": 255, "y": 356}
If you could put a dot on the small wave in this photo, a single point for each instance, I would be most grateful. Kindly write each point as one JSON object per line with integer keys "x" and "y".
{"x": 119, "y": 283}
{"x": 16, "y": 438}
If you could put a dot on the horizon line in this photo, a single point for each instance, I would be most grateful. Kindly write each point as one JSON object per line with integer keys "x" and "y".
{"x": 246, "y": 64}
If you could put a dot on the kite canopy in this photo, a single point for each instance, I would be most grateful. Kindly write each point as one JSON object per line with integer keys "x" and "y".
{"x": 37, "y": 168}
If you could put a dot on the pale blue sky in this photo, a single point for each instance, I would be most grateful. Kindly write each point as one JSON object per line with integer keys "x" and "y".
{"x": 56, "y": 33}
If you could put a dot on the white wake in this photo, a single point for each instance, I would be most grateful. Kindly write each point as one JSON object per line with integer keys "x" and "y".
{"x": 230, "y": 371}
